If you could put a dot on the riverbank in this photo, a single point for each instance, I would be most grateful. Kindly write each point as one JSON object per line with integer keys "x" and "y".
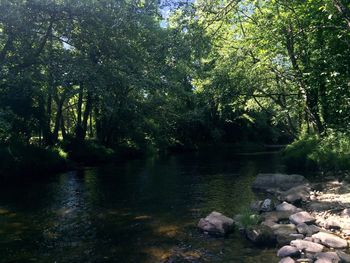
{"x": 305, "y": 221}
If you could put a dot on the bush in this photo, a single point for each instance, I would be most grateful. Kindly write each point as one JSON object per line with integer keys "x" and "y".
{"x": 88, "y": 152}
{"x": 328, "y": 153}
{"x": 19, "y": 159}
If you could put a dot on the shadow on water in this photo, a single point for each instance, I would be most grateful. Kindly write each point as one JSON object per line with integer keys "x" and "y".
{"x": 140, "y": 211}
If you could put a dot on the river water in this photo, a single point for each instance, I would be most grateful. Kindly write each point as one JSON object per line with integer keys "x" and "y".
{"x": 138, "y": 211}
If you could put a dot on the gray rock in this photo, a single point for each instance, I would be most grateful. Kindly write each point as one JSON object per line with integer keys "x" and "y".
{"x": 216, "y": 224}
{"x": 269, "y": 223}
{"x": 327, "y": 257}
{"x": 261, "y": 235}
{"x": 286, "y": 207}
{"x": 330, "y": 240}
{"x": 302, "y": 217}
{"x": 284, "y": 229}
{"x": 287, "y": 260}
{"x": 264, "y": 182}
{"x": 345, "y": 258}
{"x": 307, "y": 230}
{"x": 267, "y": 206}
{"x": 296, "y": 194}
{"x": 255, "y": 206}
{"x": 307, "y": 246}
{"x": 319, "y": 206}
{"x": 288, "y": 251}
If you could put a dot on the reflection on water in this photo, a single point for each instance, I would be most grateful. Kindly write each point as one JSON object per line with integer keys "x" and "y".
{"x": 141, "y": 211}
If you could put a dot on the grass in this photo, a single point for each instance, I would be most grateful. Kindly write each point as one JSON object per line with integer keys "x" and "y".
{"x": 247, "y": 218}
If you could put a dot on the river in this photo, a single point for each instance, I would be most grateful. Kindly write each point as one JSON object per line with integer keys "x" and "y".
{"x": 139, "y": 211}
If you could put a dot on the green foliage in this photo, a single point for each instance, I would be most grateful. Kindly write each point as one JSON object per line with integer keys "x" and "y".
{"x": 296, "y": 155}
{"x": 88, "y": 152}
{"x": 247, "y": 219}
{"x": 22, "y": 159}
{"x": 328, "y": 153}
{"x": 134, "y": 78}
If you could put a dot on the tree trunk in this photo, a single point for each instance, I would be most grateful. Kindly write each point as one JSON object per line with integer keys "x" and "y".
{"x": 58, "y": 118}
{"x": 310, "y": 99}
{"x": 86, "y": 114}
{"x": 63, "y": 127}
{"x": 79, "y": 127}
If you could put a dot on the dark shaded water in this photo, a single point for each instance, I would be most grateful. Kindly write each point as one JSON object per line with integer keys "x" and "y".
{"x": 140, "y": 211}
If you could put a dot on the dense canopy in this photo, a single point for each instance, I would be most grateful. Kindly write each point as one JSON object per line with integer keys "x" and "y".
{"x": 147, "y": 74}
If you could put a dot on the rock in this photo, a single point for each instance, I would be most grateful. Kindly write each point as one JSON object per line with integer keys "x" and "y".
{"x": 267, "y": 206}
{"x": 286, "y": 207}
{"x": 255, "y": 206}
{"x": 319, "y": 206}
{"x": 345, "y": 212}
{"x": 327, "y": 257}
{"x": 288, "y": 251}
{"x": 307, "y": 230}
{"x": 330, "y": 240}
{"x": 284, "y": 229}
{"x": 345, "y": 258}
{"x": 296, "y": 194}
{"x": 216, "y": 224}
{"x": 276, "y": 216}
{"x": 345, "y": 233}
{"x": 283, "y": 240}
{"x": 261, "y": 235}
{"x": 269, "y": 223}
{"x": 287, "y": 260}
{"x": 307, "y": 246}
{"x": 302, "y": 217}
{"x": 264, "y": 182}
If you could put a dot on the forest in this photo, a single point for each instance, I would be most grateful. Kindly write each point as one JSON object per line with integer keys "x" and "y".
{"x": 91, "y": 80}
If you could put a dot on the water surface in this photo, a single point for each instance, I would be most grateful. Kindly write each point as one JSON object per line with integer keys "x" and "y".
{"x": 138, "y": 211}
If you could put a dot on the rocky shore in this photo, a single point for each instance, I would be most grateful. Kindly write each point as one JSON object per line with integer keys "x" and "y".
{"x": 306, "y": 222}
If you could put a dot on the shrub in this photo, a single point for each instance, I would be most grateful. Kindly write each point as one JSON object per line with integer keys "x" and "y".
{"x": 88, "y": 152}
{"x": 328, "y": 153}
{"x": 19, "y": 159}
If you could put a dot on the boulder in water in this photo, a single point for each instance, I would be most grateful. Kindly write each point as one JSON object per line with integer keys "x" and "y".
{"x": 216, "y": 224}
{"x": 261, "y": 235}
{"x": 288, "y": 251}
